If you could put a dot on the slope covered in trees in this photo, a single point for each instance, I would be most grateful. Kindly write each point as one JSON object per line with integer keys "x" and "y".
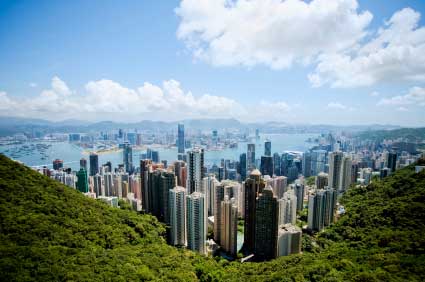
{"x": 51, "y": 232}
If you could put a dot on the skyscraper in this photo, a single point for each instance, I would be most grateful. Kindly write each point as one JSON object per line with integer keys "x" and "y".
{"x": 180, "y": 141}
{"x": 97, "y": 185}
{"x": 229, "y": 226}
{"x": 128, "y": 157}
{"x": 177, "y": 215}
{"x": 345, "y": 174}
{"x": 242, "y": 166}
{"x": 266, "y": 218}
{"x": 306, "y": 165}
{"x": 299, "y": 193}
{"x": 250, "y": 157}
{"x": 82, "y": 182}
{"x": 335, "y": 164}
{"x": 253, "y": 186}
{"x": 266, "y": 165}
{"x": 392, "y": 161}
{"x": 167, "y": 182}
{"x": 321, "y": 180}
{"x": 321, "y": 208}
{"x": 268, "y": 148}
{"x": 289, "y": 240}
{"x": 287, "y": 208}
{"x": 196, "y": 222}
{"x": 276, "y": 164}
{"x": 195, "y": 170}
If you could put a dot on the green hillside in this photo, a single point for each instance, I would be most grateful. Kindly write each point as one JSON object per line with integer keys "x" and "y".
{"x": 49, "y": 232}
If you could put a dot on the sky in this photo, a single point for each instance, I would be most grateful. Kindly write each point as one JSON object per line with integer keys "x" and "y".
{"x": 341, "y": 62}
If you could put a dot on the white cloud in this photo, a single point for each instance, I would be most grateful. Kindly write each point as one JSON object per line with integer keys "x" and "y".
{"x": 109, "y": 100}
{"x": 274, "y": 33}
{"x": 396, "y": 53}
{"x": 415, "y": 96}
{"x": 374, "y": 94}
{"x": 333, "y": 36}
{"x": 33, "y": 84}
{"x": 402, "y": 109}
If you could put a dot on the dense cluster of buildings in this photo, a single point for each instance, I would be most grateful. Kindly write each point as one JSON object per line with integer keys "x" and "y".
{"x": 266, "y": 192}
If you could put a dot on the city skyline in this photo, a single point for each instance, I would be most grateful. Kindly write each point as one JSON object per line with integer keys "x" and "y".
{"x": 178, "y": 60}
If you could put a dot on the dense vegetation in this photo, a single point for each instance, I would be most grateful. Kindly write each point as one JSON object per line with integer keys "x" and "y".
{"x": 49, "y": 232}
{"x": 408, "y": 134}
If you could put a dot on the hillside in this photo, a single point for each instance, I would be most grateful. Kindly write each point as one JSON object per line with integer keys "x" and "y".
{"x": 49, "y": 232}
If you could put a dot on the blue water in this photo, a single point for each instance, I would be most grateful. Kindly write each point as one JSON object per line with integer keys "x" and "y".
{"x": 71, "y": 154}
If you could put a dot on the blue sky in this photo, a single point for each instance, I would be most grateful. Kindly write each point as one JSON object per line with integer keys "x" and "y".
{"x": 134, "y": 60}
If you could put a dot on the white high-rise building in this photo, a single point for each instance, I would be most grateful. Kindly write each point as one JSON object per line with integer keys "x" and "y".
{"x": 209, "y": 183}
{"x": 345, "y": 175}
{"x": 177, "y": 212}
{"x": 287, "y": 208}
{"x": 195, "y": 171}
{"x": 196, "y": 219}
{"x": 288, "y": 240}
{"x": 229, "y": 226}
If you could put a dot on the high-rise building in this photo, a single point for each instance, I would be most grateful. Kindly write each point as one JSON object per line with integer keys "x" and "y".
{"x": 128, "y": 157}
{"x": 82, "y": 181}
{"x": 266, "y": 165}
{"x": 144, "y": 182}
{"x": 279, "y": 185}
{"x": 392, "y": 161}
{"x": 196, "y": 222}
{"x": 57, "y": 164}
{"x": 229, "y": 225}
{"x": 177, "y": 213}
{"x": 321, "y": 208}
{"x": 266, "y": 219}
{"x": 250, "y": 157}
{"x": 218, "y": 198}
{"x": 180, "y": 141}
{"x": 318, "y": 161}
{"x": 242, "y": 166}
{"x": 209, "y": 183}
{"x": 289, "y": 240}
{"x": 306, "y": 165}
{"x": 167, "y": 182}
{"x": 94, "y": 164}
{"x": 299, "y": 193}
{"x": 276, "y": 164}
{"x": 254, "y": 185}
{"x": 335, "y": 165}
{"x": 268, "y": 148}
{"x": 321, "y": 180}
{"x": 83, "y": 163}
{"x": 178, "y": 165}
{"x": 195, "y": 170}
{"x": 345, "y": 176}
{"x": 287, "y": 208}
{"x": 97, "y": 186}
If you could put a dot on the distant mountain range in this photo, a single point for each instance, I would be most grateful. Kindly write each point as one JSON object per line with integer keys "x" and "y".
{"x": 14, "y": 125}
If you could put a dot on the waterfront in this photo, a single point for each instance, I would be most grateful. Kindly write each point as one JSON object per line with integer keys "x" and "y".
{"x": 71, "y": 153}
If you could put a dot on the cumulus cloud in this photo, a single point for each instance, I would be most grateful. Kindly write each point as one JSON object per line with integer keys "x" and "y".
{"x": 415, "y": 96}
{"x": 109, "y": 100}
{"x": 333, "y": 36}
{"x": 274, "y": 33}
{"x": 396, "y": 53}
